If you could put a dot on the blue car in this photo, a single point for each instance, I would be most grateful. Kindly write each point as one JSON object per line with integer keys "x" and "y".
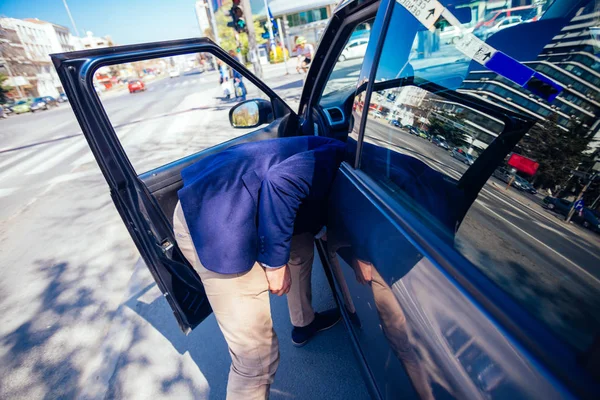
{"x": 449, "y": 288}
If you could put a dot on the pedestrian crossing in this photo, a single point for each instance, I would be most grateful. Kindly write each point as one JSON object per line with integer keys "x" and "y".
{"x": 150, "y": 140}
{"x": 184, "y": 83}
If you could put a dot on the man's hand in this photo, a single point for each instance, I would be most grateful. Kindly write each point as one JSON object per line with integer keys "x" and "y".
{"x": 279, "y": 280}
{"x": 363, "y": 271}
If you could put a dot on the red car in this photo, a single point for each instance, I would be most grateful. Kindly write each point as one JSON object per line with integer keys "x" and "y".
{"x": 136, "y": 86}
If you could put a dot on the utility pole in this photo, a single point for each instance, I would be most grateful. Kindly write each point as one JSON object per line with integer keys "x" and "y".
{"x": 213, "y": 22}
{"x": 71, "y": 17}
{"x": 270, "y": 27}
{"x": 252, "y": 45}
{"x": 282, "y": 40}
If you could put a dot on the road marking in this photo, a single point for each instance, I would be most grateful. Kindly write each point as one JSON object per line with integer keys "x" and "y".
{"x": 4, "y": 192}
{"x": 38, "y": 157}
{"x": 16, "y": 157}
{"x": 540, "y": 242}
{"x": 50, "y": 163}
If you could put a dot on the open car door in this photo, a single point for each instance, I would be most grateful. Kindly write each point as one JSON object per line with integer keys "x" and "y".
{"x": 146, "y": 201}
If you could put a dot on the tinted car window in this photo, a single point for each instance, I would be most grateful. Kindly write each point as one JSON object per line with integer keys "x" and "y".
{"x": 489, "y": 115}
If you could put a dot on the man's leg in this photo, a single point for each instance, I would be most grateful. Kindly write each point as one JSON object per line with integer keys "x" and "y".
{"x": 241, "y": 305}
{"x": 307, "y": 323}
{"x": 300, "y": 295}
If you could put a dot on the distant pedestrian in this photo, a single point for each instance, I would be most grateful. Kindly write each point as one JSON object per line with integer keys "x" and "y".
{"x": 238, "y": 81}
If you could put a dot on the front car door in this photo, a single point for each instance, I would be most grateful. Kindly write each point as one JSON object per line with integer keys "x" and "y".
{"x": 451, "y": 286}
{"x": 141, "y": 159}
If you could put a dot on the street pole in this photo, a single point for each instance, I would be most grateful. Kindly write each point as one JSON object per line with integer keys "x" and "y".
{"x": 282, "y": 41}
{"x": 213, "y": 24}
{"x": 71, "y": 17}
{"x": 12, "y": 77}
{"x": 252, "y": 45}
{"x": 572, "y": 210}
{"x": 270, "y": 27}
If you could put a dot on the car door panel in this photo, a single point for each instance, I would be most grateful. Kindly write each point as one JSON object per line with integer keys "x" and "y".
{"x": 421, "y": 334}
{"x": 428, "y": 323}
{"x": 145, "y": 203}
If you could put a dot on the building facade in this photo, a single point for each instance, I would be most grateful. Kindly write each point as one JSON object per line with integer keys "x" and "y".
{"x": 25, "y": 53}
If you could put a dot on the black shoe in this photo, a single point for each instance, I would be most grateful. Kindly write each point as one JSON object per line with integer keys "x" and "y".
{"x": 322, "y": 321}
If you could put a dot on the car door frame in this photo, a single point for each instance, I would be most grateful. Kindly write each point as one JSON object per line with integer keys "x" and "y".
{"x": 562, "y": 364}
{"x": 148, "y": 226}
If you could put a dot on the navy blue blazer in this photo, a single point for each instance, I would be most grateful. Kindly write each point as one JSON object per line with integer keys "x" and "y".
{"x": 243, "y": 204}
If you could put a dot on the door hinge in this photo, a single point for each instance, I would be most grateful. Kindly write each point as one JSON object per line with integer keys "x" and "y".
{"x": 166, "y": 246}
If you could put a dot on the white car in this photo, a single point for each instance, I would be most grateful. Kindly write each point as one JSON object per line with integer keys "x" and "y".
{"x": 174, "y": 73}
{"x": 450, "y": 34}
{"x": 500, "y": 25}
{"x": 354, "y": 49}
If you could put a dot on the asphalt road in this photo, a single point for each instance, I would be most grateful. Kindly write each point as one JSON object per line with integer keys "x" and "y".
{"x": 551, "y": 267}
{"x": 80, "y": 316}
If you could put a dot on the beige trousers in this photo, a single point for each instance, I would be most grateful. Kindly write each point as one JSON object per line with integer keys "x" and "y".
{"x": 241, "y": 306}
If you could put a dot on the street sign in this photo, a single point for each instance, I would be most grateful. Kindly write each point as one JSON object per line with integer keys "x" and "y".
{"x": 579, "y": 205}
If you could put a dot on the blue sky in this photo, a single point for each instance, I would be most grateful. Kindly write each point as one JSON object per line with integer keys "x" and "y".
{"x": 126, "y": 21}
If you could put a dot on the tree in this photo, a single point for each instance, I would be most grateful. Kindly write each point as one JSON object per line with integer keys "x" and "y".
{"x": 558, "y": 152}
{"x": 4, "y": 89}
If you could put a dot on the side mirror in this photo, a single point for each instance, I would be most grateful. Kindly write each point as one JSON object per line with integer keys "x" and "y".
{"x": 251, "y": 113}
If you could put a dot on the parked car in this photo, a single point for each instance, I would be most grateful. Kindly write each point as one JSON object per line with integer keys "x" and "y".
{"x": 396, "y": 123}
{"x": 590, "y": 219}
{"x": 38, "y": 104}
{"x": 21, "y": 106}
{"x": 50, "y": 101}
{"x": 3, "y": 114}
{"x": 136, "y": 86}
{"x": 356, "y": 48}
{"x": 440, "y": 141}
{"x": 502, "y": 173}
{"x": 560, "y": 206}
{"x": 8, "y": 105}
{"x": 523, "y": 184}
{"x": 492, "y": 314}
{"x": 462, "y": 156}
{"x": 62, "y": 98}
{"x": 174, "y": 73}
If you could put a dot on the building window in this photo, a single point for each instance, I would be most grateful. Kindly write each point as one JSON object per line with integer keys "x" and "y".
{"x": 306, "y": 17}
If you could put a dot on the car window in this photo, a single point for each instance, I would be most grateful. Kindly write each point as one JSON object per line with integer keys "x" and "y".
{"x": 436, "y": 87}
{"x": 344, "y": 75}
{"x": 190, "y": 108}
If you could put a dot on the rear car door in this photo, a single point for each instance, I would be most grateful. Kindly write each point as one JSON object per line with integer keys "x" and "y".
{"x": 141, "y": 158}
{"x": 451, "y": 285}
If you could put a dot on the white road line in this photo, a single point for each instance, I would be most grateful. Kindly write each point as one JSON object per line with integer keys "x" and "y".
{"x": 4, "y": 192}
{"x": 88, "y": 157}
{"x": 39, "y": 156}
{"x": 52, "y": 162}
{"x": 16, "y": 156}
{"x": 540, "y": 242}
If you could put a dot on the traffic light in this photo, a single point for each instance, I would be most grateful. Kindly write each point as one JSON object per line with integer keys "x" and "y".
{"x": 237, "y": 15}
